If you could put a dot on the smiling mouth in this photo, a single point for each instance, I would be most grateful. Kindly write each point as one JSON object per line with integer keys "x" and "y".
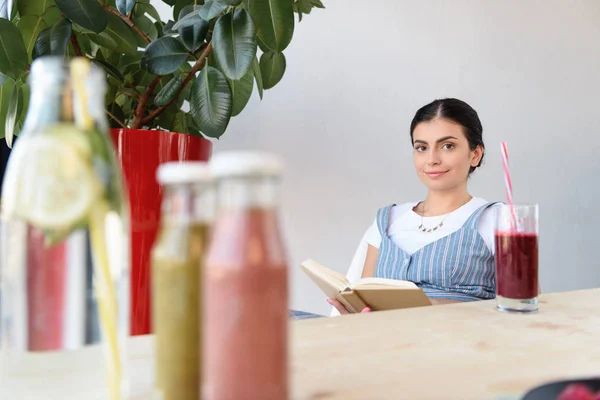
{"x": 435, "y": 174}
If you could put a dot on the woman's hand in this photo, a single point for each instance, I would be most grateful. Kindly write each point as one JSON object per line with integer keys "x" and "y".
{"x": 343, "y": 310}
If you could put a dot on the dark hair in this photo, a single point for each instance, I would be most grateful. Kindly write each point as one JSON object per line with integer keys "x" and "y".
{"x": 456, "y": 111}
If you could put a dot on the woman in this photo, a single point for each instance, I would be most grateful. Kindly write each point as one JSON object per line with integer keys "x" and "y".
{"x": 444, "y": 243}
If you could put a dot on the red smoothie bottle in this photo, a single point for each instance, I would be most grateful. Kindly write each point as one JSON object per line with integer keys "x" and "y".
{"x": 245, "y": 283}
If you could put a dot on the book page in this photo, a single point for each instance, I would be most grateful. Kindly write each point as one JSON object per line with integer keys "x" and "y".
{"x": 383, "y": 283}
{"x": 329, "y": 281}
{"x": 391, "y": 298}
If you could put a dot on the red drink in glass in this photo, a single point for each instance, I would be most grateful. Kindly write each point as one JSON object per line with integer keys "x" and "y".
{"x": 517, "y": 257}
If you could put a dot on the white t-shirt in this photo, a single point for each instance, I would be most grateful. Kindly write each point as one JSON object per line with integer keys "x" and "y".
{"x": 404, "y": 226}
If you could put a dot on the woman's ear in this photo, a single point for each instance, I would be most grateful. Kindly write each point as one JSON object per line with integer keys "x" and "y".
{"x": 476, "y": 156}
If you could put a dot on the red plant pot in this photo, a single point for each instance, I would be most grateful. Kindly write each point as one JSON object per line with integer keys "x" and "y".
{"x": 140, "y": 152}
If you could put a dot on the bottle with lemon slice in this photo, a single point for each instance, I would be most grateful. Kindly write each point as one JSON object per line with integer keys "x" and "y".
{"x": 64, "y": 252}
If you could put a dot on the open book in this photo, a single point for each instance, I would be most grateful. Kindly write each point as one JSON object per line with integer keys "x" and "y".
{"x": 376, "y": 293}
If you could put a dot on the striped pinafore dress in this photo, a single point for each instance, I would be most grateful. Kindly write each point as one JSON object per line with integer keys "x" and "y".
{"x": 458, "y": 266}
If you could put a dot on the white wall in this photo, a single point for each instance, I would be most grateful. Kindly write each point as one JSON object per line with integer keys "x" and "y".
{"x": 356, "y": 73}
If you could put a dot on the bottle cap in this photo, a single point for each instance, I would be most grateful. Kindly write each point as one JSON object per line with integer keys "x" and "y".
{"x": 248, "y": 163}
{"x": 56, "y": 70}
{"x": 184, "y": 172}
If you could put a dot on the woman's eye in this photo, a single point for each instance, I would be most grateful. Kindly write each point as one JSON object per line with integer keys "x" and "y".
{"x": 448, "y": 146}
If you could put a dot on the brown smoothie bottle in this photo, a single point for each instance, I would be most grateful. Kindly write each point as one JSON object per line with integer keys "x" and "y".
{"x": 245, "y": 283}
{"x": 177, "y": 260}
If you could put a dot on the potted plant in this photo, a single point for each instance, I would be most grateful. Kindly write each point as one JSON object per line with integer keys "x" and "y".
{"x": 173, "y": 83}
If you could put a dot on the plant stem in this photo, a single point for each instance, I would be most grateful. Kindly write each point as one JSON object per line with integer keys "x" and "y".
{"x": 134, "y": 89}
{"x": 197, "y": 67}
{"x": 116, "y": 119}
{"x": 141, "y": 108}
{"x": 126, "y": 93}
{"x": 75, "y": 44}
{"x": 24, "y": 72}
{"x": 128, "y": 22}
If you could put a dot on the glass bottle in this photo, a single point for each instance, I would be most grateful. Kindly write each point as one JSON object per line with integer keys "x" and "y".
{"x": 64, "y": 262}
{"x": 245, "y": 283}
{"x": 177, "y": 260}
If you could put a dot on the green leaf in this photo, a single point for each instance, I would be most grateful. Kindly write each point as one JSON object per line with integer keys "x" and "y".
{"x": 305, "y": 7}
{"x": 127, "y": 105}
{"x": 3, "y": 79}
{"x": 42, "y": 44}
{"x": 263, "y": 47}
{"x": 141, "y": 9}
{"x": 142, "y": 78}
{"x": 12, "y": 114}
{"x": 212, "y": 8}
{"x": 125, "y": 6}
{"x": 299, "y": 11}
{"x": 148, "y": 27}
{"x": 211, "y": 102}
{"x": 121, "y": 34}
{"x": 234, "y": 46}
{"x": 272, "y": 68}
{"x": 193, "y": 36}
{"x": 33, "y": 7}
{"x": 168, "y": 92}
{"x": 168, "y": 27}
{"x": 13, "y": 55}
{"x": 258, "y": 76}
{"x": 167, "y": 117}
{"x": 110, "y": 70}
{"x": 31, "y": 26}
{"x": 130, "y": 60}
{"x": 5, "y": 95}
{"x": 86, "y": 46}
{"x": 232, "y": 2}
{"x": 159, "y": 29}
{"x": 87, "y": 13}
{"x": 103, "y": 39}
{"x": 190, "y": 19}
{"x": 117, "y": 111}
{"x": 302, "y": 7}
{"x": 192, "y": 127}
{"x": 241, "y": 91}
{"x": 163, "y": 56}
{"x": 52, "y": 15}
{"x": 53, "y": 40}
{"x": 180, "y": 5}
{"x": 183, "y": 123}
{"x": 23, "y": 107}
{"x": 274, "y": 21}
{"x": 170, "y": 2}
{"x": 59, "y": 37}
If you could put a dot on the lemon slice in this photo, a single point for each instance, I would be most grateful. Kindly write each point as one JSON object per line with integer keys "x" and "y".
{"x": 72, "y": 136}
{"x": 54, "y": 183}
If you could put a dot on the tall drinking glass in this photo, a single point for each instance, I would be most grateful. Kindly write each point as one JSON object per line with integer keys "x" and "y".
{"x": 517, "y": 257}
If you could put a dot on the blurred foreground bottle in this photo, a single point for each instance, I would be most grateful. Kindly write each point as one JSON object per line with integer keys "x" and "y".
{"x": 64, "y": 263}
{"x": 177, "y": 259}
{"x": 245, "y": 283}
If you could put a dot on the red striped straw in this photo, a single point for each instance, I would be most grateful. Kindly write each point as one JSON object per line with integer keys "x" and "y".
{"x": 508, "y": 182}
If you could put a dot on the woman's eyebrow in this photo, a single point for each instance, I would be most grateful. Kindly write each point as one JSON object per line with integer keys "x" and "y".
{"x": 445, "y": 138}
{"x": 437, "y": 141}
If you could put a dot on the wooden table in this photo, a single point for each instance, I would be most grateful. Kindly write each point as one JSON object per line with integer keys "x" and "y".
{"x": 457, "y": 351}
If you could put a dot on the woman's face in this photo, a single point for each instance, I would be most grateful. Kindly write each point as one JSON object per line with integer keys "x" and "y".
{"x": 442, "y": 155}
